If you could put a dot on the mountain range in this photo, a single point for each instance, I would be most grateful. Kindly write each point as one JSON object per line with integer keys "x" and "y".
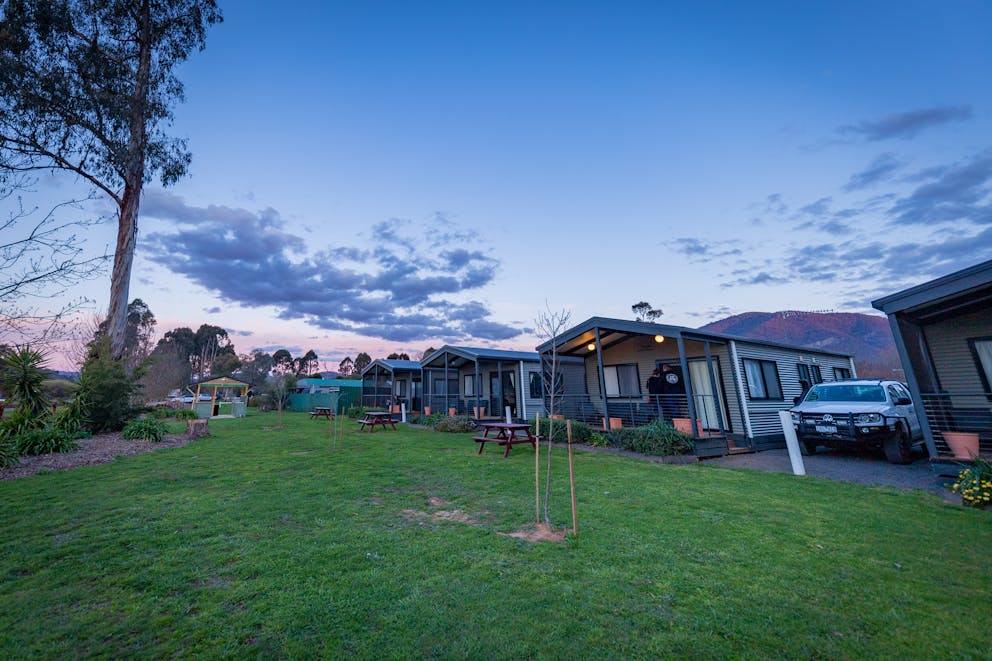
{"x": 867, "y": 337}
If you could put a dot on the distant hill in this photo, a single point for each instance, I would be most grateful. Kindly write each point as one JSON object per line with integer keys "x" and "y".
{"x": 865, "y": 336}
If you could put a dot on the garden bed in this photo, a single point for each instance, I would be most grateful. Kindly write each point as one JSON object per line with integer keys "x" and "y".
{"x": 96, "y": 450}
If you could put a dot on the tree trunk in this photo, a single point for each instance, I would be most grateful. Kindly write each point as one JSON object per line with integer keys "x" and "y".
{"x": 134, "y": 174}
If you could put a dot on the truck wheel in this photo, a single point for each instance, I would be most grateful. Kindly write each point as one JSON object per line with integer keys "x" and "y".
{"x": 898, "y": 447}
{"x": 807, "y": 448}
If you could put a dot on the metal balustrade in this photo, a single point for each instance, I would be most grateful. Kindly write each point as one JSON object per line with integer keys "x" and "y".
{"x": 959, "y": 412}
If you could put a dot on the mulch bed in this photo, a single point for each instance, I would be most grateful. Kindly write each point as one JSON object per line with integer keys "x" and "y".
{"x": 96, "y": 450}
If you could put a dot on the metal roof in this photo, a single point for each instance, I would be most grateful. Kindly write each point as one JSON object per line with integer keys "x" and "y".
{"x": 393, "y": 365}
{"x": 473, "y": 354}
{"x": 627, "y": 328}
{"x": 970, "y": 286}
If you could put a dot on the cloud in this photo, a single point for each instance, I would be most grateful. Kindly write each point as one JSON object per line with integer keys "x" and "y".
{"x": 240, "y": 333}
{"x": 699, "y": 250}
{"x": 958, "y": 192}
{"x": 906, "y": 125}
{"x": 879, "y": 170}
{"x": 400, "y": 289}
{"x": 213, "y": 310}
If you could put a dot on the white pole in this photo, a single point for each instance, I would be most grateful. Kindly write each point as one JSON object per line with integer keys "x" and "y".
{"x": 508, "y": 420}
{"x": 792, "y": 442}
{"x": 403, "y": 412}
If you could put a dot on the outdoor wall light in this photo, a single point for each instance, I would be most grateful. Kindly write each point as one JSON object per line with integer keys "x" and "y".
{"x": 659, "y": 338}
{"x": 591, "y": 347}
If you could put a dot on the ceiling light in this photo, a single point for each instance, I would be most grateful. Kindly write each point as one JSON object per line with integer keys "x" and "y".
{"x": 591, "y": 346}
{"x": 659, "y": 338}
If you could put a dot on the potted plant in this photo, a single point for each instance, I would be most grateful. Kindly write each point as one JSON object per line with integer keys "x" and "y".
{"x": 964, "y": 444}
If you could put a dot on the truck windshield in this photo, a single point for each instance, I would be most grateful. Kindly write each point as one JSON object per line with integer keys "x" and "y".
{"x": 846, "y": 393}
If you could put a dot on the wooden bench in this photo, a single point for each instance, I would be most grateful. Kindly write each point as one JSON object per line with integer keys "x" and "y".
{"x": 506, "y": 434}
{"x": 321, "y": 412}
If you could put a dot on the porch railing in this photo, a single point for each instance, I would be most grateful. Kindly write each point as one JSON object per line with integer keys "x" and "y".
{"x": 959, "y": 412}
{"x": 636, "y": 412}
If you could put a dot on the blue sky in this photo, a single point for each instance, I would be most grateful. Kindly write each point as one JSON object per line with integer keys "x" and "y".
{"x": 385, "y": 176}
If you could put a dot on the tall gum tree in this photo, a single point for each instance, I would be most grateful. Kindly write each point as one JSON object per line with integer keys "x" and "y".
{"x": 87, "y": 87}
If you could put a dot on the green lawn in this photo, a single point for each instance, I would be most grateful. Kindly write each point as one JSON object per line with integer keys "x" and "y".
{"x": 263, "y": 542}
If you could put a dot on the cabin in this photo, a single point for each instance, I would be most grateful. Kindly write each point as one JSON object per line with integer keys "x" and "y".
{"x": 943, "y": 331}
{"x": 726, "y": 391}
{"x": 389, "y": 383}
{"x": 483, "y": 383}
{"x": 336, "y": 394}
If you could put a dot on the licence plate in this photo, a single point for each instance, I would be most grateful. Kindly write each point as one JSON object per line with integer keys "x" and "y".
{"x": 826, "y": 429}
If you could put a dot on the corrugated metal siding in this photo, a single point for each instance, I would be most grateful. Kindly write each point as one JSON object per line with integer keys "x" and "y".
{"x": 952, "y": 357}
{"x": 764, "y": 414}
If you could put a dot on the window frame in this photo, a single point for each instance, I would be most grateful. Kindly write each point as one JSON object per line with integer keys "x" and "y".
{"x": 840, "y": 372}
{"x": 813, "y": 376}
{"x": 616, "y": 371}
{"x": 468, "y": 385}
{"x": 986, "y": 377}
{"x": 762, "y": 364}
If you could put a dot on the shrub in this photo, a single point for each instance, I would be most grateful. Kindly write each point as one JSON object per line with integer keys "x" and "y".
{"x": 427, "y": 420}
{"x": 8, "y": 455}
{"x": 43, "y": 440}
{"x": 160, "y": 412}
{"x": 355, "y": 411}
{"x": 974, "y": 483}
{"x": 22, "y": 374}
{"x": 144, "y": 429}
{"x": 184, "y": 414}
{"x": 581, "y": 432}
{"x": 459, "y": 423}
{"x": 106, "y": 389}
{"x": 656, "y": 438}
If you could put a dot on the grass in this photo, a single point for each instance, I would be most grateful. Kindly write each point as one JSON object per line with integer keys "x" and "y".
{"x": 262, "y": 542}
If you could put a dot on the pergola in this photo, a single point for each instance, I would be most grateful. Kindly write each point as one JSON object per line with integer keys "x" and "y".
{"x": 224, "y": 382}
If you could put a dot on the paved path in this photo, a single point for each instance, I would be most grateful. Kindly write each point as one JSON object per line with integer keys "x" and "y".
{"x": 851, "y": 467}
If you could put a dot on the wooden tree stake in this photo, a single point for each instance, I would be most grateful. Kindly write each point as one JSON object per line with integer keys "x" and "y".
{"x": 571, "y": 479}
{"x": 537, "y": 468}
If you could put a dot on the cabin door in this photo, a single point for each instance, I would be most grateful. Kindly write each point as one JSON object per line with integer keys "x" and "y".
{"x": 705, "y": 399}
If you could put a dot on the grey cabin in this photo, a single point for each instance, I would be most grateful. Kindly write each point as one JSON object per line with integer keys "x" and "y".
{"x": 727, "y": 390}
{"x": 943, "y": 331}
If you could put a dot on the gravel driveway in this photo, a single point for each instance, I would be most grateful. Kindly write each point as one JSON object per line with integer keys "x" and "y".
{"x": 864, "y": 468}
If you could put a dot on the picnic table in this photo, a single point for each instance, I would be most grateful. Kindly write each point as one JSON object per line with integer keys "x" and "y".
{"x": 507, "y": 433}
{"x": 380, "y": 418}
{"x": 321, "y": 412}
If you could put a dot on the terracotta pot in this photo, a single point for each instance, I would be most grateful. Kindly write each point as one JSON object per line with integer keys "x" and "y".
{"x": 427, "y": 410}
{"x": 964, "y": 444}
{"x": 452, "y": 411}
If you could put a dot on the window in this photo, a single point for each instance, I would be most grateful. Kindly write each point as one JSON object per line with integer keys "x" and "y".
{"x": 841, "y": 373}
{"x": 469, "y": 389}
{"x": 536, "y": 385}
{"x": 762, "y": 379}
{"x": 981, "y": 349}
{"x": 401, "y": 388}
{"x": 810, "y": 374}
{"x": 622, "y": 380}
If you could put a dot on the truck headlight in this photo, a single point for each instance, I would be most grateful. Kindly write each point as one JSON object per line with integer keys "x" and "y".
{"x": 796, "y": 418}
{"x": 869, "y": 419}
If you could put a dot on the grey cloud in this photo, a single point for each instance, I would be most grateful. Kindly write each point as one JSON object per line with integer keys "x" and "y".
{"x": 761, "y": 278}
{"x": 697, "y": 249}
{"x": 213, "y": 310}
{"x": 907, "y": 125}
{"x": 960, "y": 192}
{"x": 880, "y": 169}
{"x": 396, "y": 291}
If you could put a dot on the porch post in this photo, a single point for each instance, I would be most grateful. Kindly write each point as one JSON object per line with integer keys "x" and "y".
{"x": 602, "y": 377}
{"x": 688, "y": 385}
{"x": 478, "y": 390}
{"x": 713, "y": 384}
{"x": 499, "y": 380}
{"x": 911, "y": 378}
{"x": 447, "y": 384}
{"x": 741, "y": 395}
{"x": 522, "y": 398}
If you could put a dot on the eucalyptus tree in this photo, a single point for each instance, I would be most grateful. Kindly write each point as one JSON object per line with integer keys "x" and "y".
{"x": 87, "y": 87}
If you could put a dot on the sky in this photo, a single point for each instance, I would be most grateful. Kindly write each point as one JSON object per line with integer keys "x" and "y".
{"x": 388, "y": 176}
